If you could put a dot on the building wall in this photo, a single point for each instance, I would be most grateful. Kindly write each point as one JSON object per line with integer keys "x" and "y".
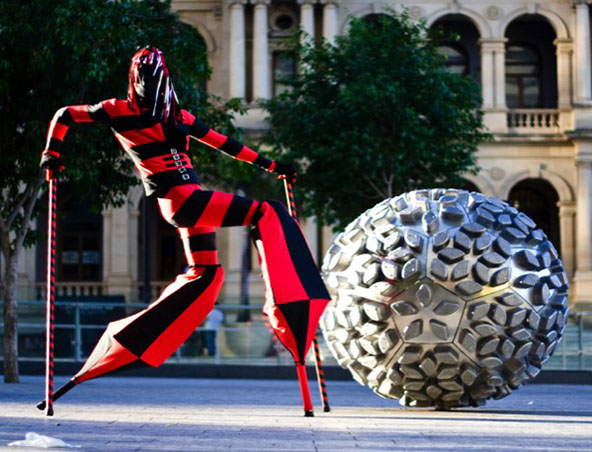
{"x": 553, "y": 144}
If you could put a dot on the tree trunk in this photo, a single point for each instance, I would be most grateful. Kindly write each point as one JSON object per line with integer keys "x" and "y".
{"x": 11, "y": 371}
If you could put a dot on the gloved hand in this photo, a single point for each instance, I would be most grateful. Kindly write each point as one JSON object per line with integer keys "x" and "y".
{"x": 285, "y": 169}
{"x": 50, "y": 160}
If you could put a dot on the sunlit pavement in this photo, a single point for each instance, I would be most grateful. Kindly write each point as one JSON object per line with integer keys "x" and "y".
{"x": 174, "y": 414}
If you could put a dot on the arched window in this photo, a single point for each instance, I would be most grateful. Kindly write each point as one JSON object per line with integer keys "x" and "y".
{"x": 456, "y": 59}
{"x": 523, "y": 77}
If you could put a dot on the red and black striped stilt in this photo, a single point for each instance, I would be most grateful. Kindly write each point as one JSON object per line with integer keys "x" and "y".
{"x": 317, "y": 352}
{"x": 51, "y": 177}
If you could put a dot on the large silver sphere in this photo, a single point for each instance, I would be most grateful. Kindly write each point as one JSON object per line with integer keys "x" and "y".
{"x": 443, "y": 298}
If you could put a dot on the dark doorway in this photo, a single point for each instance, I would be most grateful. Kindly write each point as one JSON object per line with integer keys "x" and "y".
{"x": 538, "y": 199}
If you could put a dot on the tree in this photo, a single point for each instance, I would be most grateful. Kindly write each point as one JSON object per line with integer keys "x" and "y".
{"x": 375, "y": 115}
{"x": 72, "y": 52}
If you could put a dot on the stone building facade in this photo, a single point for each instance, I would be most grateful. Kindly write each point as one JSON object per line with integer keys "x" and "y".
{"x": 532, "y": 60}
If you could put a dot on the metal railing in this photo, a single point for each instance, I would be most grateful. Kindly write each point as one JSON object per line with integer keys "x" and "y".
{"x": 242, "y": 338}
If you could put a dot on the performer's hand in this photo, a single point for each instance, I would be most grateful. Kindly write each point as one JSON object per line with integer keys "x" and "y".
{"x": 285, "y": 169}
{"x": 50, "y": 160}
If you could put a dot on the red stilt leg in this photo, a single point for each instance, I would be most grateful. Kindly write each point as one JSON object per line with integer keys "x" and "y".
{"x": 50, "y": 321}
{"x": 303, "y": 380}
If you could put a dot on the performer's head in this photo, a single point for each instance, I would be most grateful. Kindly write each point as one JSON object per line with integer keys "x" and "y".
{"x": 150, "y": 85}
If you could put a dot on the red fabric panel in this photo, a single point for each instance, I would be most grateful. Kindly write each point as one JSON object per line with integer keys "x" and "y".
{"x": 202, "y": 258}
{"x": 116, "y": 107}
{"x": 57, "y": 130}
{"x": 116, "y": 357}
{"x": 252, "y": 209}
{"x": 283, "y": 278}
{"x": 79, "y": 113}
{"x": 174, "y": 199}
{"x": 187, "y": 117}
{"x": 216, "y": 209}
{"x": 247, "y": 155}
{"x": 214, "y": 139}
{"x": 185, "y": 324}
{"x": 131, "y": 138}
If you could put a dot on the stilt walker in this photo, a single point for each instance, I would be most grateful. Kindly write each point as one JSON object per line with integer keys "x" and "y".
{"x": 315, "y": 342}
{"x": 153, "y": 129}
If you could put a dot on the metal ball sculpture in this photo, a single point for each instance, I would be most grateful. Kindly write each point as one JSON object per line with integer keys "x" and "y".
{"x": 444, "y": 298}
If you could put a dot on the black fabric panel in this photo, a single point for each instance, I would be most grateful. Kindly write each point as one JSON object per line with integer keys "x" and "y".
{"x": 97, "y": 113}
{"x": 65, "y": 117}
{"x": 130, "y": 122}
{"x": 199, "y": 129}
{"x": 263, "y": 162}
{"x": 146, "y": 329}
{"x": 202, "y": 242}
{"x": 54, "y": 144}
{"x": 296, "y": 315}
{"x": 231, "y": 146}
{"x": 149, "y": 150}
{"x": 303, "y": 262}
{"x": 160, "y": 183}
{"x": 192, "y": 208}
{"x": 237, "y": 211}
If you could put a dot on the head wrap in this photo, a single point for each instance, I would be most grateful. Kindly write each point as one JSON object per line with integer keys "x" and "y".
{"x": 150, "y": 86}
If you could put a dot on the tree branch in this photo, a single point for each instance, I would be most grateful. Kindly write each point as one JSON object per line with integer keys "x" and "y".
{"x": 22, "y": 233}
{"x": 373, "y": 185}
{"x": 20, "y": 203}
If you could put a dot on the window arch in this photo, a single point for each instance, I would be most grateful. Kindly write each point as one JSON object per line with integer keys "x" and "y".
{"x": 523, "y": 76}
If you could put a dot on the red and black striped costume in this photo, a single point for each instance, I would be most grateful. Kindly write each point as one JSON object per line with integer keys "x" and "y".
{"x": 295, "y": 293}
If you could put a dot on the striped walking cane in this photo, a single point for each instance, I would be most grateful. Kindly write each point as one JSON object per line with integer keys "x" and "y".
{"x": 317, "y": 352}
{"x": 51, "y": 177}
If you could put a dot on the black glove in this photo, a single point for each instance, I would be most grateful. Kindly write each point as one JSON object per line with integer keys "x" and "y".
{"x": 285, "y": 169}
{"x": 50, "y": 160}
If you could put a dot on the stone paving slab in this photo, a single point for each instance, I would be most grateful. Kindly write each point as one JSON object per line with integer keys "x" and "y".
{"x": 170, "y": 414}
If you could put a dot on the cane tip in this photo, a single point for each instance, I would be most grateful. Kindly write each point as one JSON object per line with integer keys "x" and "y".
{"x": 49, "y": 411}
{"x": 308, "y": 413}
{"x": 326, "y": 408}
{"x": 41, "y": 405}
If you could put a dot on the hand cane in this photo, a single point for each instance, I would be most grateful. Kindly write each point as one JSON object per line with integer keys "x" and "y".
{"x": 317, "y": 353}
{"x": 51, "y": 177}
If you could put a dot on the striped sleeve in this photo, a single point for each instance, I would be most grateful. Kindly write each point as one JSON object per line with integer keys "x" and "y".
{"x": 228, "y": 145}
{"x": 65, "y": 116}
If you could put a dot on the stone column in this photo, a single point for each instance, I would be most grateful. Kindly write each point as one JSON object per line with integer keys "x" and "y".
{"x": 487, "y": 74}
{"x": 261, "y": 71}
{"x": 499, "y": 60}
{"x": 237, "y": 63}
{"x": 583, "y": 275}
{"x": 329, "y": 20}
{"x": 116, "y": 256}
{"x": 567, "y": 213}
{"x": 564, "y": 78}
{"x": 493, "y": 82}
{"x": 307, "y": 17}
{"x": 582, "y": 49}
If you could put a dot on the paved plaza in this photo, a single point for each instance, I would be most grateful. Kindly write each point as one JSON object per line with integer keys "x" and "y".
{"x": 174, "y": 414}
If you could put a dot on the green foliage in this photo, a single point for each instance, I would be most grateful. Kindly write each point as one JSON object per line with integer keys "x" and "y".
{"x": 69, "y": 52}
{"x": 375, "y": 115}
